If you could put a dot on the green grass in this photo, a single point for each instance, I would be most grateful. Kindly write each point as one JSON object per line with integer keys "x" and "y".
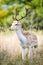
{"x": 7, "y": 59}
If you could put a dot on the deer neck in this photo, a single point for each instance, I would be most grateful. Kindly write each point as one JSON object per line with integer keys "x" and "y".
{"x": 20, "y": 35}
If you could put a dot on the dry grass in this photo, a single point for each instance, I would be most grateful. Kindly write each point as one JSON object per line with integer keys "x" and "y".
{"x": 9, "y": 42}
{"x": 10, "y": 50}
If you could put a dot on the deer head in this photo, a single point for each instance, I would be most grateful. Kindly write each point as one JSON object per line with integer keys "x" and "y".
{"x": 16, "y": 24}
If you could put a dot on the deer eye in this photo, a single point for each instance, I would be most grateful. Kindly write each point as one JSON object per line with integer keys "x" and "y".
{"x": 16, "y": 24}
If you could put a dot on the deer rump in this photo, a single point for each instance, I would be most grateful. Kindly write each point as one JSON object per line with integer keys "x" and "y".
{"x": 32, "y": 38}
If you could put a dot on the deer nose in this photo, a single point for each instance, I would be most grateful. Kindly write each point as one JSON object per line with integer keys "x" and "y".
{"x": 12, "y": 29}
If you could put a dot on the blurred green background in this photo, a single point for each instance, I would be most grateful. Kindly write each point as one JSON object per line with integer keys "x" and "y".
{"x": 34, "y": 20}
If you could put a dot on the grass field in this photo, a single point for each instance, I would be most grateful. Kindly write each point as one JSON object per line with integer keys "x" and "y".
{"x": 10, "y": 50}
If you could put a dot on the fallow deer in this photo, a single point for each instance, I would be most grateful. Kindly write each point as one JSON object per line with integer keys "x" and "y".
{"x": 28, "y": 40}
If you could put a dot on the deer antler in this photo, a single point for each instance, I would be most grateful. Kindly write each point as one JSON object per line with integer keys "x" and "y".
{"x": 27, "y": 12}
{"x": 14, "y": 18}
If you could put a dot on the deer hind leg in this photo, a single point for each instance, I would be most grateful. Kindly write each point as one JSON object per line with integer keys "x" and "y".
{"x": 29, "y": 52}
{"x": 35, "y": 47}
{"x": 23, "y": 53}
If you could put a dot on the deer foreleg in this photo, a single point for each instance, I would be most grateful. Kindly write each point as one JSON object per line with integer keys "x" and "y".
{"x": 23, "y": 53}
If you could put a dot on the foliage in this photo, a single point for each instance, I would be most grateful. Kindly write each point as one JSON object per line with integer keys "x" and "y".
{"x": 3, "y": 13}
{"x": 8, "y": 10}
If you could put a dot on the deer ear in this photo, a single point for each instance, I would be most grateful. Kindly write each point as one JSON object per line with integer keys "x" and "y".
{"x": 14, "y": 18}
{"x": 19, "y": 23}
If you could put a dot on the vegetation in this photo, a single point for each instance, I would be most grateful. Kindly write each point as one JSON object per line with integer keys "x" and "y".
{"x": 34, "y": 20}
{"x": 7, "y": 59}
{"x": 10, "y": 50}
